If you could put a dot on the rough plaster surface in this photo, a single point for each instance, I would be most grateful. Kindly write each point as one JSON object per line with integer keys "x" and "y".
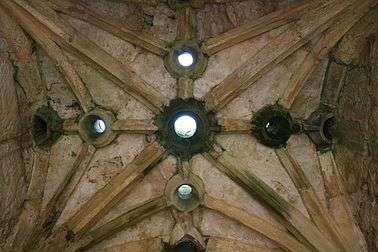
{"x": 111, "y": 160}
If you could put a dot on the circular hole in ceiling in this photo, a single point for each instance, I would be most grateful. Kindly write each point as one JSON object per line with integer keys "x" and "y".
{"x": 329, "y": 128}
{"x": 278, "y": 127}
{"x": 184, "y": 192}
{"x": 40, "y": 127}
{"x": 99, "y": 126}
{"x": 95, "y": 125}
{"x": 185, "y": 126}
{"x": 185, "y": 59}
{"x": 185, "y": 246}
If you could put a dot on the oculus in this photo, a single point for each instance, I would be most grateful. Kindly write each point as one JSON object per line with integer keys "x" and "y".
{"x": 185, "y": 128}
{"x": 185, "y": 59}
{"x": 273, "y": 126}
{"x": 46, "y": 126}
{"x": 95, "y": 127}
{"x": 185, "y": 194}
{"x": 321, "y": 128}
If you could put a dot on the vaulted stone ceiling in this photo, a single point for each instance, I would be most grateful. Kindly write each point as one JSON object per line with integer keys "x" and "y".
{"x": 90, "y": 91}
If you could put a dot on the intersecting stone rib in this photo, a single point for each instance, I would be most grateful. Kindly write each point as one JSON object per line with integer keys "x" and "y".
{"x": 319, "y": 48}
{"x": 187, "y": 23}
{"x": 81, "y": 11}
{"x": 42, "y": 37}
{"x": 134, "y": 126}
{"x": 339, "y": 205}
{"x": 62, "y": 194}
{"x": 234, "y": 126}
{"x": 255, "y": 28}
{"x": 295, "y": 36}
{"x": 107, "y": 197}
{"x": 186, "y": 30}
{"x": 284, "y": 239}
{"x": 298, "y": 79}
{"x": 185, "y": 87}
{"x": 184, "y": 167}
{"x": 70, "y": 39}
{"x": 317, "y": 211}
{"x": 28, "y": 218}
{"x": 70, "y": 126}
{"x": 122, "y": 222}
{"x": 295, "y": 221}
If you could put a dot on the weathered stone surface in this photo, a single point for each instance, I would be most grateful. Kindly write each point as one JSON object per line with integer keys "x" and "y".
{"x": 106, "y": 164}
{"x": 308, "y": 99}
{"x": 63, "y": 155}
{"x": 12, "y": 179}
{"x": 356, "y": 151}
{"x": 215, "y": 19}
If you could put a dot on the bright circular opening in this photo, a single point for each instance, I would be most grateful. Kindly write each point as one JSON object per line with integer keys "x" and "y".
{"x": 184, "y": 192}
{"x": 99, "y": 126}
{"x": 185, "y": 126}
{"x": 185, "y": 59}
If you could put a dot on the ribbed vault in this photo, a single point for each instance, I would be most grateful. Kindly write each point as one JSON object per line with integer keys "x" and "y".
{"x": 67, "y": 65}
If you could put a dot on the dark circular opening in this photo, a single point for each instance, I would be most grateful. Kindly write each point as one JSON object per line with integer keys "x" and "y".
{"x": 40, "y": 127}
{"x": 185, "y": 246}
{"x": 95, "y": 125}
{"x": 278, "y": 127}
{"x": 329, "y": 128}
